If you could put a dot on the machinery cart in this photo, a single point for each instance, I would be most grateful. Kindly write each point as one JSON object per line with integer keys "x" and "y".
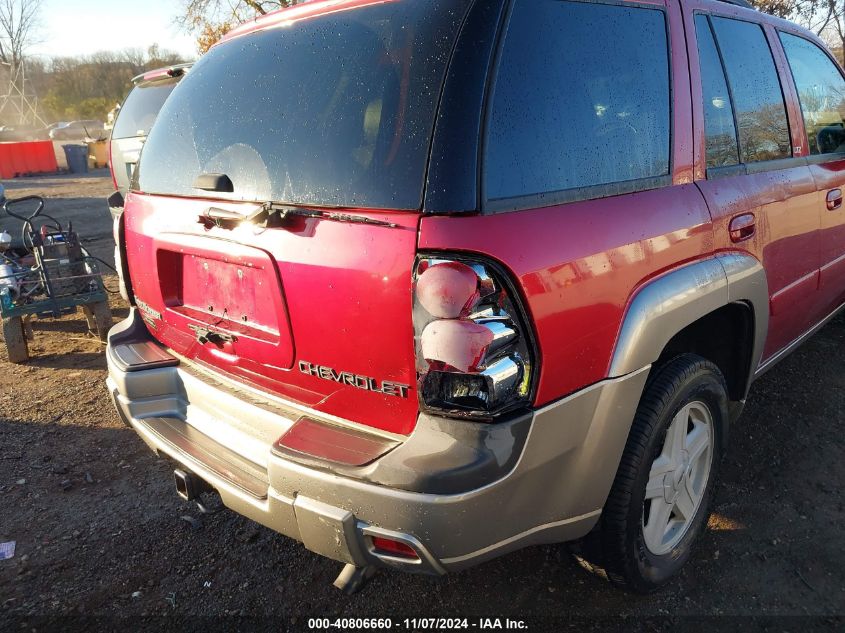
{"x": 46, "y": 273}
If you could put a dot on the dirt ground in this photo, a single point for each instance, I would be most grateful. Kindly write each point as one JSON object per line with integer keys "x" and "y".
{"x": 99, "y": 529}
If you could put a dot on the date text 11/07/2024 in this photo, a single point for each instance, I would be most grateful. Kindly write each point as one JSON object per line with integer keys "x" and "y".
{"x": 417, "y": 624}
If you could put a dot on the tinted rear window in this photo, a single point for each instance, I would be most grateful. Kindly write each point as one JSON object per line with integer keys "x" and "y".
{"x": 141, "y": 108}
{"x": 581, "y": 99}
{"x": 335, "y": 110}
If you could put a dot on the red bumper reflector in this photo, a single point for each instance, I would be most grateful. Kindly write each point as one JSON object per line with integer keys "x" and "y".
{"x": 394, "y": 548}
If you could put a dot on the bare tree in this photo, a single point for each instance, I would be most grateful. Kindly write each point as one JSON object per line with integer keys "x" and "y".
{"x": 209, "y": 20}
{"x": 18, "y": 25}
{"x": 812, "y": 14}
{"x": 88, "y": 86}
{"x": 836, "y": 29}
{"x": 826, "y": 18}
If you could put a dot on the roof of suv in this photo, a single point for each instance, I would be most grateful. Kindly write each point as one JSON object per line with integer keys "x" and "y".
{"x": 302, "y": 11}
{"x": 740, "y": 3}
{"x": 313, "y": 8}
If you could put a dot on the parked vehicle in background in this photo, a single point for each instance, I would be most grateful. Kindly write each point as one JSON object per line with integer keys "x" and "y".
{"x": 78, "y": 131}
{"x": 135, "y": 118}
{"x": 45, "y": 132}
{"x": 419, "y": 284}
{"x": 18, "y": 133}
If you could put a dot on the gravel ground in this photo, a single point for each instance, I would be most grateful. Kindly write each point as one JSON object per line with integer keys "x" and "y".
{"x": 100, "y": 532}
{"x": 77, "y": 199}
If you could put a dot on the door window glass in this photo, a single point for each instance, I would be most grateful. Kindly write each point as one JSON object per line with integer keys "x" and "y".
{"x": 821, "y": 91}
{"x": 757, "y": 95}
{"x": 719, "y": 126}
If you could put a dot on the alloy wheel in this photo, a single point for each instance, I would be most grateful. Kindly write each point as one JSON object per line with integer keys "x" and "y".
{"x": 678, "y": 478}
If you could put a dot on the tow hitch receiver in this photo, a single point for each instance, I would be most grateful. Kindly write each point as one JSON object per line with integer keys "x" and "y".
{"x": 189, "y": 486}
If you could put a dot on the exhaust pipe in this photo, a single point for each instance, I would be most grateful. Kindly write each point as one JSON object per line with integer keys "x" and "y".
{"x": 189, "y": 486}
{"x": 352, "y": 579}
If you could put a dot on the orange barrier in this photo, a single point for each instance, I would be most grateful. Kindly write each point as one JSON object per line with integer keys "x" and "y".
{"x": 30, "y": 157}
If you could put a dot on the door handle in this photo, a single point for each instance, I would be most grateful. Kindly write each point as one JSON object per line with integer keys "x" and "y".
{"x": 742, "y": 227}
{"x": 834, "y": 199}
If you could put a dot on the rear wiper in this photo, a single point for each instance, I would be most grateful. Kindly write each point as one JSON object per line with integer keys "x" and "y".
{"x": 270, "y": 212}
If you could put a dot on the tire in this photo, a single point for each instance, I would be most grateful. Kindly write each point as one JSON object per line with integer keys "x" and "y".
{"x": 28, "y": 332}
{"x": 99, "y": 318}
{"x": 664, "y": 465}
{"x": 15, "y": 341}
{"x": 90, "y": 321}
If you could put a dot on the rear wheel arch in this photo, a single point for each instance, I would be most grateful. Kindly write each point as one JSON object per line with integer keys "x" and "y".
{"x": 673, "y": 316}
{"x": 731, "y": 351}
{"x": 717, "y": 308}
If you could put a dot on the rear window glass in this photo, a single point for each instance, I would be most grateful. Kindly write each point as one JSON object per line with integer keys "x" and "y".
{"x": 334, "y": 110}
{"x": 581, "y": 99}
{"x": 141, "y": 108}
{"x": 757, "y": 96}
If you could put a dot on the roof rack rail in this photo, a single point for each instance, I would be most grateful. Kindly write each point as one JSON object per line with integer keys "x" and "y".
{"x": 740, "y": 3}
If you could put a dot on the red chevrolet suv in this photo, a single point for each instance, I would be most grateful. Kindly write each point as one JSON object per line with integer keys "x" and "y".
{"x": 422, "y": 283}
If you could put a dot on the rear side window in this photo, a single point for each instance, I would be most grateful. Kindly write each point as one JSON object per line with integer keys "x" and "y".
{"x": 581, "y": 99}
{"x": 719, "y": 125}
{"x": 821, "y": 91}
{"x": 141, "y": 108}
{"x": 756, "y": 90}
{"x": 330, "y": 110}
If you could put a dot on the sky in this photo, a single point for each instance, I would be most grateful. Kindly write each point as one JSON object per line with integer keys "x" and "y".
{"x": 81, "y": 27}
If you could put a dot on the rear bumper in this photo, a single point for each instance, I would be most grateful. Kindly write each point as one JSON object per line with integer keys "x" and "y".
{"x": 556, "y": 467}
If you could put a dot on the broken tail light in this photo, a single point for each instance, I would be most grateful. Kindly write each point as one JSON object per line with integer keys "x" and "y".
{"x": 475, "y": 353}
